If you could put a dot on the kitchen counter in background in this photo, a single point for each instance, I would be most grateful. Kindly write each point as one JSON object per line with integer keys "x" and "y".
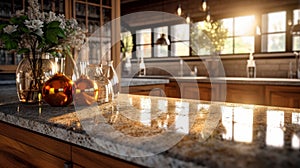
{"x": 231, "y": 80}
{"x": 142, "y": 81}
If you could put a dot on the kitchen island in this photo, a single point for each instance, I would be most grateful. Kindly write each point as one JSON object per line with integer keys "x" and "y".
{"x": 152, "y": 132}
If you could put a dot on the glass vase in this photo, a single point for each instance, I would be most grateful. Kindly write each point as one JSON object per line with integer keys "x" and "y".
{"x": 57, "y": 91}
{"x": 105, "y": 90}
{"x": 85, "y": 90}
{"x": 111, "y": 75}
{"x": 31, "y": 74}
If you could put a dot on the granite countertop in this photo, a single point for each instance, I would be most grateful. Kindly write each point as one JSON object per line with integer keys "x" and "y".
{"x": 168, "y": 132}
{"x": 233, "y": 80}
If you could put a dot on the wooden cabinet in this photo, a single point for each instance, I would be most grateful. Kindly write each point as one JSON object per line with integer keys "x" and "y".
{"x": 91, "y": 16}
{"x": 22, "y": 148}
{"x": 243, "y": 93}
{"x": 283, "y": 96}
{"x": 9, "y": 60}
{"x": 172, "y": 90}
{"x": 85, "y": 158}
{"x": 202, "y": 91}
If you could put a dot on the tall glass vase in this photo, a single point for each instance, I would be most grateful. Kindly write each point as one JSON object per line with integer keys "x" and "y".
{"x": 112, "y": 76}
{"x": 57, "y": 91}
{"x": 104, "y": 92}
{"x": 31, "y": 74}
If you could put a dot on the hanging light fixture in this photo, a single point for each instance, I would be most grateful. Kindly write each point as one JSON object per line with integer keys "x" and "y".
{"x": 188, "y": 18}
{"x": 204, "y": 5}
{"x": 208, "y": 16}
{"x": 179, "y": 10}
{"x": 296, "y": 28}
{"x": 163, "y": 40}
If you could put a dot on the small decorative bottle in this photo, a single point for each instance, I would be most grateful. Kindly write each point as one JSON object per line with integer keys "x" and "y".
{"x": 251, "y": 67}
{"x": 57, "y": 91}
{"x": 85, "y": 90}
{"x": 142, "y": 70}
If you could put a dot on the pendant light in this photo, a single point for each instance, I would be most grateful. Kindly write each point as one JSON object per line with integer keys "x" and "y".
{"x": 204, "y": 5}
{"x": 179, "y": 10}
{"x": 208, "y": 16}
{"x": 296, "y": 29}
{"x": 188, "y": 19}
{"x": 163, "y": 40}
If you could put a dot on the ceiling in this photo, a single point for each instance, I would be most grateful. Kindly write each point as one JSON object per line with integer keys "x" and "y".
{"x": 218, "y": 9}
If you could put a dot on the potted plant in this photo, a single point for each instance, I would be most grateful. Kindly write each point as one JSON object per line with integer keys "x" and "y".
{"x": 126, "y": 49}
{"x": 209, "y": 38}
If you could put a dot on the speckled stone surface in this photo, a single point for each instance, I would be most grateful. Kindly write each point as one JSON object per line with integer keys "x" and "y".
{"x": 167, "y": 132}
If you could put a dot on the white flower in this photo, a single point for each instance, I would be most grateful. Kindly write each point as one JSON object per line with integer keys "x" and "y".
{"x": 10, "y": 29}
{"x": 50, "y": 17}
{"x": 19, "y": 13}
{"x": 35, "y": 25}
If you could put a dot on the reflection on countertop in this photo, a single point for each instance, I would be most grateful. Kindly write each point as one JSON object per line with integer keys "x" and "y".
{"x": 168, "y": 132}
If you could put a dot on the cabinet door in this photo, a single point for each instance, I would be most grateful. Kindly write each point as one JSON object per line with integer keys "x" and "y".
{"x": 283, "y": 96}
{"x": 197, "y": 91}
{"x": 43, "y": 143}
{"x": 172, "y": 90}
{"x": 16, "y": 154}
{"x": 249, "y": 94}
{"x": 85, "y": 158}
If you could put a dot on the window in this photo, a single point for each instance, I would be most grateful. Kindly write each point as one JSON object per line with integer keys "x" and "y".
{"x": 180, "y": 36}
{"x": 273, "y": 32}
{"x": 240, "y": 37}
{"x": 296, "y": 38}
{"x": 143, "y": 43}
{"x": 160, "y": 50}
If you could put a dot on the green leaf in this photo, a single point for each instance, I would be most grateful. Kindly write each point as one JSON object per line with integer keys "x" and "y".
{"x": 53, "y": 24}
{"x": 5, "y": 37}
{"x": 11, "y": 44}
{"x": 2, "y": 26}
{"x": 61, "y": 33}
{"x": 51, "y": 36}
{"x": 23, "y": 50}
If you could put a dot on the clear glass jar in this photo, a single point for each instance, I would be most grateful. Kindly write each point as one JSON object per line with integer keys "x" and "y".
{"x": 105, "y": 90}
{"x": 31, "y": 74}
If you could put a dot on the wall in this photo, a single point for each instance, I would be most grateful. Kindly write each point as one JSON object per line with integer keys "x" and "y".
{"x": 275, "y": 68}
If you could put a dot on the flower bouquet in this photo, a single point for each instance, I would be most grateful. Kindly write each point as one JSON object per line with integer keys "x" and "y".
{"x": 35, "y": 33}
